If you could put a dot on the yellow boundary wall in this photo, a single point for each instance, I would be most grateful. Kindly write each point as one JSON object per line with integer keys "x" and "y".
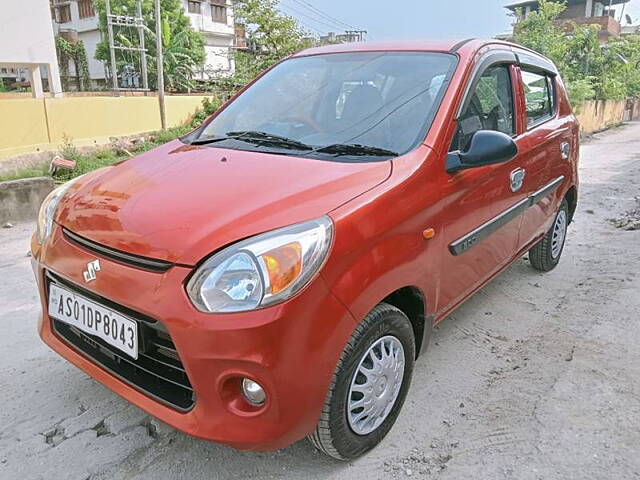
{"x": 597, "y": 115}
{"x": 30, "y": 125}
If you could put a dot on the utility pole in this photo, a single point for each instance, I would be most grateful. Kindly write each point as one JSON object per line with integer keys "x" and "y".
{"x": 143, "y": 51}
{"x": 163, "y": 117}
{"x": 114, "y": 68}
{"x": 624, "y": 5}
{"x": 129, "y": 76}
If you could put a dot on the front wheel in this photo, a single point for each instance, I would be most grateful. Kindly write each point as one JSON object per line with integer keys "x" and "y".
{"x": 369, "y": 385}
{"x": 545, "y": 254}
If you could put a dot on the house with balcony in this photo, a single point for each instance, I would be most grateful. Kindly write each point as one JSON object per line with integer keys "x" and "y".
{"x": 605, "y": 13}
{"x": 77, "y": 20}
{"x": 215, "y": 20}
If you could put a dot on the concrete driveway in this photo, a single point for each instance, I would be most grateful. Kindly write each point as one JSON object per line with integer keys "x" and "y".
{"x": 536, "y": 377}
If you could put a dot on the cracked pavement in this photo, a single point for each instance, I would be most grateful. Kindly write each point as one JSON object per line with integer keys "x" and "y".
{"x": 535, "y": 377}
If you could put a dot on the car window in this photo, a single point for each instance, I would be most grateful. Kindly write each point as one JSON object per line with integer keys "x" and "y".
{"x": 538, "y": 97}
{"x": 375, "y": 100}
{"x": 490, "y": 107}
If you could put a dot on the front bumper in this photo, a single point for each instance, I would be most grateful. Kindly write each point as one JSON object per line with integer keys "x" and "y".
{"x": 291, "y": 349}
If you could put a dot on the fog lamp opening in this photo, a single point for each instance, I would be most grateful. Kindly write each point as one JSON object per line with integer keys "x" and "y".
{"x": 253, "y": 392}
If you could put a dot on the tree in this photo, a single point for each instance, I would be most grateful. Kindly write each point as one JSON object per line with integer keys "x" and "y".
{"x": 73, "y": 52}
{"x": 622, "y": 55}
{"x": 270, "y": 35}
{"x": 183, "y": 48}
{"x": 590, "y": 69}
{"x": 539, "y": 32}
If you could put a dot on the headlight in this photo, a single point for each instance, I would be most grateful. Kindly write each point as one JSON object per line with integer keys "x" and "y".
{"x": 49, "y": 207}
{"x": 261, "y": 270}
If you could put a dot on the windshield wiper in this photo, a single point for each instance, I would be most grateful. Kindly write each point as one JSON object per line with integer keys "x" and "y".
{"x": 356, "y": 150}
{"x": 207, "y": 140}
{"x": 253, "y": 136}
{"x": 257, "y": 138}
{"x": 272, "y": 140}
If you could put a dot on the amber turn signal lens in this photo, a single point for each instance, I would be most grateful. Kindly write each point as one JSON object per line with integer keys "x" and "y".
{"x": 283, "y": 265}
{"x": 429, "y": 233}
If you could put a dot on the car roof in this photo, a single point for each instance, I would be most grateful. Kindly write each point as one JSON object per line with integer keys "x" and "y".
{"x": 466, "y": 48}
{"x": 427, "y": 45}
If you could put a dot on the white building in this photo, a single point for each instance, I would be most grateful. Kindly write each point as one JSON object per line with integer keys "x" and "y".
{"x": 213, "y": 18}
{"x": 10, "y": 74}
{"x": 78, "y": 19}
{"x": 27, "y": 45}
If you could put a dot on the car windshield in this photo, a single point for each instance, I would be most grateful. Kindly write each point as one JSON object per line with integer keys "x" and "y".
{"x": 358, "y": 106}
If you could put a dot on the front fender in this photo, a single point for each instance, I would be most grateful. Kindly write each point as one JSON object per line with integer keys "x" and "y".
{"x": 379, "y": 245}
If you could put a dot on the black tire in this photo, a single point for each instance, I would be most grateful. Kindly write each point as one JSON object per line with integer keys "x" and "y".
{"x": 333, "y": 435}
{"x": 541, "y": 254}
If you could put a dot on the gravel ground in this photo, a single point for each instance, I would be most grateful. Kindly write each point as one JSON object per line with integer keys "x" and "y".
{"x": 536, "y": 377}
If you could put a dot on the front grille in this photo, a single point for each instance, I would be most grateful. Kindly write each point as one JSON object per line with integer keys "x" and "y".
{"x": 144, "y": 263}
{"x": 158, "y": 371}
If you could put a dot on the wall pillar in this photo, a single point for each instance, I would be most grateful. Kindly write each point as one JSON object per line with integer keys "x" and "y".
{"x": 54, "y": 80}
{"x": 36, "y": 81}
{"x": 588, "y": 9}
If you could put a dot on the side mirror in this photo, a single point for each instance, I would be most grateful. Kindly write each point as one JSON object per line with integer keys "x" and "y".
{"x": 486, "y": 148}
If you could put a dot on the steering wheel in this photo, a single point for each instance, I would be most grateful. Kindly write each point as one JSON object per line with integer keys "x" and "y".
{"x": 308, "y": 121}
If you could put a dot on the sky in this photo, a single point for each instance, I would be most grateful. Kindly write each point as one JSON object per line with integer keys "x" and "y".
{"x": 412, "y": 19}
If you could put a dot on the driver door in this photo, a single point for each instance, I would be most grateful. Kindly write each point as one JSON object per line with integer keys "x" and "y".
{"x": 481, "y": 231}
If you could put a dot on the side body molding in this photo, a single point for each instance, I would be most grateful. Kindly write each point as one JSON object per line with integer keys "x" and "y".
{"x": 471, "y": 239}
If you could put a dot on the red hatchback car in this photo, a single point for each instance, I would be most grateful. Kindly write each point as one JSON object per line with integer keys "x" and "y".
{"x": 275, "y": 273}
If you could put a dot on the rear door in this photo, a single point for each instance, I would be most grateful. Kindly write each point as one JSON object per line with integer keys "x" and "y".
{"x": 543, "y": 147}
{"x": 484, "y": 204}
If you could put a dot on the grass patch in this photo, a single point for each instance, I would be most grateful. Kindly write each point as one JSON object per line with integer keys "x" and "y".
{"x": 26, "y": 173}
{"x": 88, "y": 162}
{"x": 103, "y": 158}
{"x": 92, "y": 161}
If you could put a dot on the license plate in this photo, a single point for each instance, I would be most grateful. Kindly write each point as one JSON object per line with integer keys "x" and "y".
{"x": 94, "y": 319}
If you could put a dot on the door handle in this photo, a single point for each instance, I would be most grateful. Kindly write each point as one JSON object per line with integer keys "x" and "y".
{"x": 516, "y": 179}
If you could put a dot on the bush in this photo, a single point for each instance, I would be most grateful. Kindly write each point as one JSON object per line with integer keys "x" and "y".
{"x": 613, "y": 89}
{"x": 209, "y": 107}
{"x": 580, "y": 91}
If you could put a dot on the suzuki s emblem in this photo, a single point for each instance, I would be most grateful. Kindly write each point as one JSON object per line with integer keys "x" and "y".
{"x": 90, "y": 273}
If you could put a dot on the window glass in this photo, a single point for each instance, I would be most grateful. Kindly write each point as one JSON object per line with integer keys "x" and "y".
{"x": 490, "y": 107}
{"x": 64, "y": 14}
{"x": 85, "y": 9}
{"x": 383, "y": 100}
{"x": 538, "y": 97}
{"x": 219, "y": 11}
{"x": 194, "y": 6}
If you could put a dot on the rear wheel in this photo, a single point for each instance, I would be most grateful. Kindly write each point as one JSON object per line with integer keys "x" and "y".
{"x": 545, "y": 255}
{"x": 369, "y": 385}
